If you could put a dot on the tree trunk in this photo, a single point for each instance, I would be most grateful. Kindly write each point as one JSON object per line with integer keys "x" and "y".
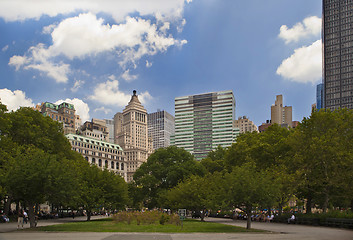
{"x": 248, "y": 217}
{"x": 31, "y": 215}
{"x": 88, "y": 215}
{"x": 280, "y": 209}
{"x": 308, "y": 205}
{"x": 325, "y": 206}
{"x": 7, "y": 205}
{"x": 202, "y": 215}
{"x": 352, "y": 205}
{"x": 17, "y": 206}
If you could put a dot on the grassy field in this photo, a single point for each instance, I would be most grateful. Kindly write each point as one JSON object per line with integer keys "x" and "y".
{"x": 107, "y": 225}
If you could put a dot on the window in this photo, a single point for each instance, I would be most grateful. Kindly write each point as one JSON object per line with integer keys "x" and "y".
{"x": 100, "y": 162}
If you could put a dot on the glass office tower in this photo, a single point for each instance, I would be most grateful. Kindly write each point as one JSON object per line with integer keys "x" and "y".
{"x": 204, "y": 121}
{"x": 160, "y": 128}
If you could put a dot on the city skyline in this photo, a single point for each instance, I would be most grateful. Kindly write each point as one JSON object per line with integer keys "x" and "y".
{"x": 174, "y": 49}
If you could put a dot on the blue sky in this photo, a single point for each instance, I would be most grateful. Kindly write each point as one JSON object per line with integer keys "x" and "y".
{"x": 94, "y": 53}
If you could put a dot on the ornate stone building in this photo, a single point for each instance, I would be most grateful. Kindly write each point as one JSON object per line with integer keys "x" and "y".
{"x": 103, "y": 154}
{"x": 132, "y": 135}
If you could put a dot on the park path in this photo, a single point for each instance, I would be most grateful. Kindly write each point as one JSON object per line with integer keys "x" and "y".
{"x": 290, "y": 230}
{"x": 277, "y": 232}
{"x": 12, "y": 226}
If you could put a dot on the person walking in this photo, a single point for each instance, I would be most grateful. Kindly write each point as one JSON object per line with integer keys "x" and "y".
{"x": 25, "y": 217}
{"x": 20, "y": 218}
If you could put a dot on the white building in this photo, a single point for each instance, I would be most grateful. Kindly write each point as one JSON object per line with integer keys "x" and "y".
{"x": 245, "y": 125}
{"x": 103, "y": 154}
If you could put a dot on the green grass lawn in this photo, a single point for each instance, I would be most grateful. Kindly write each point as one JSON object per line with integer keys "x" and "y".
{"x": 107, "y": 225}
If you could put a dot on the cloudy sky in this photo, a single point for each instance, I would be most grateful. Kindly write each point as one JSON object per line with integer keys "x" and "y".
{"x": 94, "y": 53}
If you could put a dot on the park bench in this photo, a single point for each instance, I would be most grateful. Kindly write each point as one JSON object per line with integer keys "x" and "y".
{"x": 339, "y": 222}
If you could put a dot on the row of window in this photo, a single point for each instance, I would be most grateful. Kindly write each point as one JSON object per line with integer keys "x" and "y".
{"x": 113, "y": 165}
{"x": 91, "y": 146}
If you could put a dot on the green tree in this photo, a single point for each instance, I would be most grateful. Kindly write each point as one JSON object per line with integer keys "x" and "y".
{"x": 197, "y": 194}
{"x": 4, "y": 128}
{"x": 323, "y": 157}
{"x": 36, "y": 158}
{"x": 101, "y": 189}
{"x": 247, "y": 188}
{"x": 164, "y": 169}
{"x": 34, "y": 176}
{"x": 30, "y": 127}
{"x": 214, "y": 162}
{"x": 115, "y": 190}
{"x": 269, "y": 151}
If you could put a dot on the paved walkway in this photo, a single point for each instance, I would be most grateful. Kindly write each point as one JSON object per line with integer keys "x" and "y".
{"x": 293, "y": 231}
{"x": 278, "y": 231}
{"x": 12, "y": 226}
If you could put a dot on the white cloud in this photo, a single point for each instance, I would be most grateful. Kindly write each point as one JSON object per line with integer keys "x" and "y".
{"x": 181, "y": 26}
{"x": 127, "y": 76}
{"x": 39, "y": 59}
{"x": 14, "y": 100}
{"x": 85, "y": 35}
{"x": 48, "y": 29}
{"x": 14, "y": 10}
{"x": 4, "y": 49}
{"x": 18, "y": 61}
{"x": 145, "y": 97}
{"x": 81, "y": 107}
{"x": 103, "y": 109}
{"x": 148, "y": 64}
{"x": 78, "y": 84}
{"x": 311, "y": 26}
{"x": 304, "y": 66}
{"x": 108, "y": 93}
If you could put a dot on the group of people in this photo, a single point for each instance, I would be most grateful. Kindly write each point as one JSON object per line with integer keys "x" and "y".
{"x": 4, "y": 218}
{"x": 262, "y": 217}
{"x": 22, "y": 217}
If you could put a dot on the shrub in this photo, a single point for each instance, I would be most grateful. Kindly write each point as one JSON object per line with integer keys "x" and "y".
{"x": 148, "y": 217}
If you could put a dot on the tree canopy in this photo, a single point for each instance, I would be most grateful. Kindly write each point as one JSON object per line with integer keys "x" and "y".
{"x": 38, "y": 165}
{"x": 164, "y": 169}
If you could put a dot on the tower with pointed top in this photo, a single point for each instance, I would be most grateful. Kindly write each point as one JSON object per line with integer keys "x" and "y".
{"x": 132, "y": 134}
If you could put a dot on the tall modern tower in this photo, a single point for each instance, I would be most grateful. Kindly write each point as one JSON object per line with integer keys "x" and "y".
{"x": 202, "y": 122}
{"x": 337, "y": 36}
{"x": 160, "y": 128}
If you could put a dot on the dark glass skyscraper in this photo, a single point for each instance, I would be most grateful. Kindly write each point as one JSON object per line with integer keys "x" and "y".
{"x": 319, "y": 95}
{"x": 337, "y": 37}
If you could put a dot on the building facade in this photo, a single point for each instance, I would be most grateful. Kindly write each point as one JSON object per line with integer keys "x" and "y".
{"x": 110, "y": 127}
{"x": 95, "y": 129}
{"x": 101, "y": 153}
{"x": 132, "y": 135}
{"x": 337, "y": 37}
{"x": 244, "y": 125}
{"x": 280, "y": 114}
{"x": 263, "y": 127}
{"x": 319, "y": 96}
{"x": 204, "y": 121}
{"x": 63, "y": 113}
{"x": 160, "y": 127}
